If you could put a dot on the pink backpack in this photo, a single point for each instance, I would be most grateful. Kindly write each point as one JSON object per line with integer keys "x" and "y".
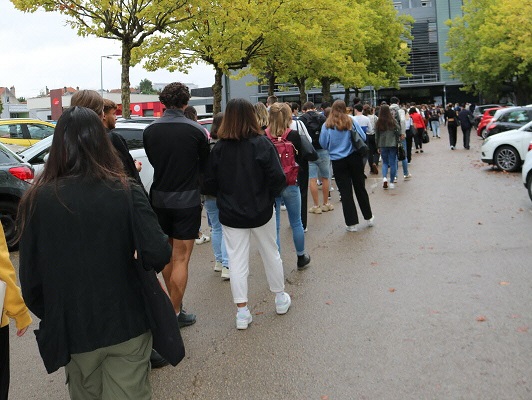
{"x": 287, "y": 156}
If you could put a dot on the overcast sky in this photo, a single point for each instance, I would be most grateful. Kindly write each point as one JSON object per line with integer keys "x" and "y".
{"x": 38, "y": 50}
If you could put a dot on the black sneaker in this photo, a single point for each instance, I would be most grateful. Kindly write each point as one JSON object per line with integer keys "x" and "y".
{"x": 303, "y": 261}
{"x": 157, "y": 361}
{"x": 184, "y": 319}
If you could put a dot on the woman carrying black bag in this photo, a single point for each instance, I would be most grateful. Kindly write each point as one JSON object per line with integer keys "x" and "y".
{"x": 77, "y": 266}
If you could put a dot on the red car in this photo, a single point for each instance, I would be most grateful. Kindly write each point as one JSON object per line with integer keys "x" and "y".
{"x": 486, "y": 119}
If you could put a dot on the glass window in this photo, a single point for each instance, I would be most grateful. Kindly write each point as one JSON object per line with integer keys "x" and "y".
{"x": 11, "y": 131}
{"x": 517, "y": 117}
{"x": 6, "y": 157}
{"x": 39, "y": 132}
{"x": 133, "y": 137}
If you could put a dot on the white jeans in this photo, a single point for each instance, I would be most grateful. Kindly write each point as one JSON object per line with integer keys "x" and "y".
{"x": 237, "y": 244}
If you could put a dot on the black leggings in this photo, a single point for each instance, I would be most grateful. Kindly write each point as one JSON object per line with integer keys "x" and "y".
{"x": 418, "y": 138}
{"x": 4, "y": 362}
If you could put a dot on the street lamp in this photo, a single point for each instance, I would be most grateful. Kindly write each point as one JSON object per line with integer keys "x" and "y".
{"x": 101, "y": 69}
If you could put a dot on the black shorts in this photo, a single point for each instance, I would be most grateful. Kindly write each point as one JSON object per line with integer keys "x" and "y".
{"x": 180, "y": 224}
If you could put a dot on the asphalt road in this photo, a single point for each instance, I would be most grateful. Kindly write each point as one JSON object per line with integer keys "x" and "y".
{"x": 433, "y": 302}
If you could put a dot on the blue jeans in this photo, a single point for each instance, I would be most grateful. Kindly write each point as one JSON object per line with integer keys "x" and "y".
{"x": 435, "y": 126}
{"x": 389, "y": 160}
{"x": 217, "y": 241}
{"x": 292, "y": 200}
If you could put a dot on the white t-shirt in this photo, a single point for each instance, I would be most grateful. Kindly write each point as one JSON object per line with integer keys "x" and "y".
{"x": 363, "y": 121}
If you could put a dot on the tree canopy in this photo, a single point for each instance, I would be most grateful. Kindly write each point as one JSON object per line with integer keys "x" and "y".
{"x": 490, "y": 48}
{"x": 128, "y": 21}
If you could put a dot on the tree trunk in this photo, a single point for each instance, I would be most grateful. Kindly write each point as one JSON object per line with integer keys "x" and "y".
{"x": 125, "y": 84}
{"x": 347, "y": 95}
{"x": 326, "y": 90}
{"x": 271, "y": 84}
{"x": 300, "y": 82}
{"x": 217, "y": 90}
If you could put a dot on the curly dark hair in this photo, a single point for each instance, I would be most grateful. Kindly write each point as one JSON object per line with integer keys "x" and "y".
{"x": 175, "y": 95}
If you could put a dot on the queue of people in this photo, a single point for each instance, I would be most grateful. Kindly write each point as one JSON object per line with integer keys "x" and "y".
{"x": 87, "y": 296}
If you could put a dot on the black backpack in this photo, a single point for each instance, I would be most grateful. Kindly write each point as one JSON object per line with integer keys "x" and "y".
{"x": 313, "y": 122}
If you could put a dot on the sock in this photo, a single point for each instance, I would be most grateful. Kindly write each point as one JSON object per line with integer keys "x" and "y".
{"x": 279, "y": 297}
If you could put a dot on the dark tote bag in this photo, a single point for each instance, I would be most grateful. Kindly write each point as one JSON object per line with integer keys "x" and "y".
{"x": 309, "y": 153}
{"x": 358, "y": 143}
{"x": 401, "y": 154}
{"x": 167, "y": 340}
{"x": 425, "y": 137}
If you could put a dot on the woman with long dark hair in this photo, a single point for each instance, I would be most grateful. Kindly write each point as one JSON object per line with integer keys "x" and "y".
{"x": 245, "y": 175}
{"x": 387, "y": 135}
{"x": 451, "y": 118}
{"x": 348, "y": 165}
{"x": 77, "y": 262}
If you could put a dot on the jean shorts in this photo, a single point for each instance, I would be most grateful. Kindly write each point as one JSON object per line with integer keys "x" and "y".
{"x": 321, "y": 167}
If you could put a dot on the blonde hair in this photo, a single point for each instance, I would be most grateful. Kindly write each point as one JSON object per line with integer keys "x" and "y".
{"x": 262, "y": 114}
{"x": 279, "y": 119}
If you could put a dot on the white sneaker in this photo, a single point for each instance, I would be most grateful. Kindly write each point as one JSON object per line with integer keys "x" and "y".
{"x": 283, "y": 306}
{"x": 283, "y": 207}
{"x": 225, "y": 273}
{"x": 243, "y": 320}
{"x": 391, "y": 186}
{"x": 371, "y": 221}
{"x": 217, "y": 266}
{"x": 384, "y": 183}
{"x": 315, "y": 210}
{"x": 351, "y": 228}
{"x": 407, "y": 177}
{"x": 395, "y": 180}
{"x": 203, "y": 239}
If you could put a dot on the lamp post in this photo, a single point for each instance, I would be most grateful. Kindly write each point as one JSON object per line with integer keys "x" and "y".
{"x": 109, "y": 56}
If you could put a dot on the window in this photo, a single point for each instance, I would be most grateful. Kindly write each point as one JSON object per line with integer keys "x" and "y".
{"x": 133, "y": 137}
{"x": 39, "y": 131}
{"x": 11, "y": 131}
{"x": 398, "y": 5}
{"x": 426, "y": 4}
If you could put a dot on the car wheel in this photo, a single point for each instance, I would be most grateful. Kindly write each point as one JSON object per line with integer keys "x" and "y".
{"x": 484, "y": 133}
{"x": 8, "y": 216}
{"x": 507, "y": 158}
{"x": 529, "y": 185}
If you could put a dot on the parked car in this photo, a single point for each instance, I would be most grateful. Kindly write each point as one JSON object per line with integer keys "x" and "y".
{"x": 508, "y": 118}
{"x": 15, "y": 178}
{"x": 136, "y": 120}
{"x": 486, "y": 119}
{"x": 478, "y": 112}
{"x": 24, "y": 131}
{"x": 527, "y": 171}
{"x": 506, "y": 150}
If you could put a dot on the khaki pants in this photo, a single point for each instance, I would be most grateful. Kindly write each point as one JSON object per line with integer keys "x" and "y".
{"x": 116, "y": 372}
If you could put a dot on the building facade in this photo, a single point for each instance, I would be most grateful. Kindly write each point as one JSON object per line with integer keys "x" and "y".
{"x": 428, "y": 82}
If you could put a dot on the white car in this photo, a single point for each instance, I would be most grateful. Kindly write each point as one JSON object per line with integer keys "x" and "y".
{"x": 132, "y": 133}
{"x": 507, "y": 149}
{"x": 527, "y": 171}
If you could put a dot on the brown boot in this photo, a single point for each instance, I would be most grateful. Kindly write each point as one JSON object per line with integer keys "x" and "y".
{"x": 374, "y": 169}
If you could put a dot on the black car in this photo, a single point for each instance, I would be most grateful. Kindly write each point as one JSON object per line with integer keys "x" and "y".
{"x": 506, "y": 119}
{"x": 15, "y": 178}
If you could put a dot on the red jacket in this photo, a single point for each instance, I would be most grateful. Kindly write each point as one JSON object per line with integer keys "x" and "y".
{"x": 418, "y": 121}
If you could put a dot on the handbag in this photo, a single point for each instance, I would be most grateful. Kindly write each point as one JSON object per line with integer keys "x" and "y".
{"x": 360, "y": 146}
{"x": 425, "y": 137}
{"x": 307, "y": 149}
{"x": 401, "y": 154}
{"x": 167, "y": 340}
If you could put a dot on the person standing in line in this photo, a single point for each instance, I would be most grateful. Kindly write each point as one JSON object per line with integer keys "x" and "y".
{"x": 410, "y": 128}
{"x": 303, "y": 174}
{"x": 451, "y": 119}
{"x": 261, "y": 113}
{"x": 465, "y": 116}
{"x": 387, "y": 135}
{"x": 348, "y": 165}
{"x": 88, "y": 294}
{"x": 178, "y": 149}
{"x": 434, "y": 119}
{"x": 373, "y": 154}
{"x": 14, "y": 308}
{"x": 419, "y": 126}
{"x": 244, "y": 158}
{"x": 221, "y": 260}
{"x": 278, "y": 127}
{"x": 320, "y": 168}
{"x": 270, "y": 100}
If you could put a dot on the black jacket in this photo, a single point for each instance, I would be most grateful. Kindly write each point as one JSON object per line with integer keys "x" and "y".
{"x": 76, "y": 266}
{"x": 245, "y": 176}
{"x": 313, "y": 122}
{"x": 177, "y": 148}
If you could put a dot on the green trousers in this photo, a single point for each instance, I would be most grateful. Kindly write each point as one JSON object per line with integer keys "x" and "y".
{"x": 116, "y": 372}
